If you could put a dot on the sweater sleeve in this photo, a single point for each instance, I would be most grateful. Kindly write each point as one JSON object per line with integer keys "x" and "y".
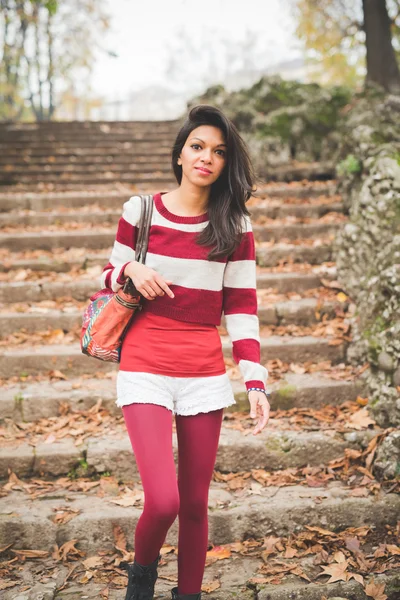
{"x": 123, "y": 251}
{"x": 240, "y": 310}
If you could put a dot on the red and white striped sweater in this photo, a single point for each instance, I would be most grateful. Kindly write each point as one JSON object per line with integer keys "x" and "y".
{"x": 203, "y": 289}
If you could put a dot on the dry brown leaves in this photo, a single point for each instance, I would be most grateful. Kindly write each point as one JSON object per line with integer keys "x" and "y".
{"x": 336, "y": 329}
{"x": 75, "y": 273}
{"x": 335, "y": 419}
{"x": 352, "y": 469}
{"x": 79, "y": 425}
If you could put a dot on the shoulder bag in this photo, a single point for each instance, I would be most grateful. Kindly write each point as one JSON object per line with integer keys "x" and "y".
{"x": 109, "y": 314}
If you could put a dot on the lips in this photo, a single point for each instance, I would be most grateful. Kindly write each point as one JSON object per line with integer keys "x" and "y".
{"x": 203, "y": 170}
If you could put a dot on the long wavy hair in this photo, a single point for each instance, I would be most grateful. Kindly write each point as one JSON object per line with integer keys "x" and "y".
{"x": 229, "y": 193}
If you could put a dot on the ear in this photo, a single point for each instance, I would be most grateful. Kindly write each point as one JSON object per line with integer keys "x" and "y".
{"x": 179, "y": 161}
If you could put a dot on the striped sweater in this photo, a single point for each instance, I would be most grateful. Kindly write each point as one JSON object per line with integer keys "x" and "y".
{"x": 203, "y": 289}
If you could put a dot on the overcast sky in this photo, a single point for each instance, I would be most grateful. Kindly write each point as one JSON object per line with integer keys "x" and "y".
{"x": 145, "y": 34}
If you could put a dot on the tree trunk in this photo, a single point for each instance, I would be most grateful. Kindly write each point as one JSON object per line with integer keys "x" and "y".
{"x": 382, "y": 67}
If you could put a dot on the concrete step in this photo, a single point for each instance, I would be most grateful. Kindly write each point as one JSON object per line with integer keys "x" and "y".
{"x": 86, "y": 170}
{"x": 69, "y": 360}
{"x": 280, "y": 253}
{"x": 45, "y": 200}
{"x": 90, "y": 238}
{"x": 270, "y": 256}
{"x": 117, "y": 142}
{"x": 275, "y": 511}
{"x": 73, "y": 153}
{"x": 81, "y": 290}
{"x": 285, "y": 173}
{"x": 31, "y": 401}
{"x": 21, "y": 161}
{"x": 279, "y": 210}
{"x": 297, "y": 172}
{"x": 271, "y": 450}
{"x": 127, "y": 176}
{"x": 79, "y": 126}
{"x": 235, "y": 576}
{"x": 18, "y": 219}
{"x": 301, "y": 312}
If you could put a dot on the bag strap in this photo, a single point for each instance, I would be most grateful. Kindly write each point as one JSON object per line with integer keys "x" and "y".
{"x": 144, "y": 227}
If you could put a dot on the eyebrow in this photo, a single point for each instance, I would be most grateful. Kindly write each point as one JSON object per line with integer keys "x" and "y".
{"x": 196, "y": 138}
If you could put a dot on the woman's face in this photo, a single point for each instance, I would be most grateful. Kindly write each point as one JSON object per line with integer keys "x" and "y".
{"x": 203, "y": 157}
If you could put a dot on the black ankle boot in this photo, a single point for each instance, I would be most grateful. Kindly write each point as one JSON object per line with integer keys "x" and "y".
{"x": 141, "y": 580}
{"x": 176, "y": 596}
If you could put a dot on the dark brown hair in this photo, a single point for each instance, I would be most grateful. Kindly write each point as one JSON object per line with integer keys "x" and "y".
{"x": 228, "y": 195}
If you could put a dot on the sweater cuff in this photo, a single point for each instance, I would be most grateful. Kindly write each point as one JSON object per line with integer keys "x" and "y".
{"x": 121, "y": 279}
{"x": 255, "y": 383}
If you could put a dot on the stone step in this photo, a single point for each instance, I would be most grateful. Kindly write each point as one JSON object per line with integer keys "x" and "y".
{"x": 45, "y": 200}
{"x": 276, "y": 511}
{"x": 300, "y": 312}
{"x": 86, "y": 170}
{"x": 311, "y": 171}
{"x": 32, "y": 154}
{"x": 34, "y": 128}
{"x": 272, "y": 450}
{"x": 18, "y": 219}
{"x": 127, "y": 176}
{"x": 69, "y": 359}
{"x": 285, "y": 173}
{"x": 69, "y": 159}
{"x": 233, "y": 580}
{"x": 269, "y": 256}
{"x": 117, "y": 143}
{"x": 235, "y": 577}
{"x": 62, "y": 187}
{"x": 81, "y": 290}
{"x": 117, "y": 139}
{"x": 280, "y": 253}
{"x": 31, "y": 401}
{"x": 89, "y": 238}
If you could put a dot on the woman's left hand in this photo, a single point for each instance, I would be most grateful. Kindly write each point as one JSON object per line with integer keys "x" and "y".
{"x": 259, "y": 407}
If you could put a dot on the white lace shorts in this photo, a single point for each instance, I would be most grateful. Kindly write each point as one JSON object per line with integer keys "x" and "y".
{"x": 181, "y": 395}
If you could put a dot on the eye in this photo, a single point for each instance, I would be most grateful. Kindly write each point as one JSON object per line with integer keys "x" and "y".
{"x": 193, "y": 145}
{"x": 223, "y": 152}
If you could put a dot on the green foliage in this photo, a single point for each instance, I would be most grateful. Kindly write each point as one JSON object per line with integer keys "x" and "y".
{"x": 79, "y": 470}
{"x": 351, "y": 165}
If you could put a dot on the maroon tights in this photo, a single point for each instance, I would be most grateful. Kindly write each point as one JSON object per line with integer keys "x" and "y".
{"x": 150, "y": 430}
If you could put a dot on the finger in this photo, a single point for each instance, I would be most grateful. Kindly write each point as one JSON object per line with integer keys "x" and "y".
{"x": 146, "y": 292}
{"x": 253, "y": 409}
{"x": 163, "y": 284}
{"x": 263, "y": 418}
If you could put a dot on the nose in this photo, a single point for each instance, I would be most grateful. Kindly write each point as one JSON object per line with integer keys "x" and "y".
{"x": 206, "y": 158}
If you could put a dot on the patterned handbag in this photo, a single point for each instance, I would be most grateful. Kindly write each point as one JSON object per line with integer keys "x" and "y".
{"x": 109, "y": 314}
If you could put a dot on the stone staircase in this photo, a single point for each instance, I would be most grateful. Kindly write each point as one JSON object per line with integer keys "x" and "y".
{"x": 66, "y": 465}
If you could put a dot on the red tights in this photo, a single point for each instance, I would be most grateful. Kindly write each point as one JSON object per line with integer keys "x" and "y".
{"x": 166, "y": 497}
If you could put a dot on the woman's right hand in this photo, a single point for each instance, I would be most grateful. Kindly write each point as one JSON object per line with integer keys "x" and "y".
{"x": 147, "y": 281}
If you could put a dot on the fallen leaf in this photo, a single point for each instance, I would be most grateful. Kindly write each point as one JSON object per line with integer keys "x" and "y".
{"x": 375, "y": 590}
{"x": 31, "y": 553}
{"x": 211, "y": 587}
{"x": 360, "y": 419}
{"x": 8, "y": 584}
{"x": 337, "y": 571}
{"x": 92, "y": 562}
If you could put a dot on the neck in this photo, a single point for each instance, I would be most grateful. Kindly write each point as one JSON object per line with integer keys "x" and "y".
{"x": 191, "y": 199}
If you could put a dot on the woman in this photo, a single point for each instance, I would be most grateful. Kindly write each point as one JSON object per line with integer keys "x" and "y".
{"x": 200, "y": 262}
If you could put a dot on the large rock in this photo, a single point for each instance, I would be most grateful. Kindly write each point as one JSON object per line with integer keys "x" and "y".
{"x": 282, "y": 121}
{"x": 387, "y": 462}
